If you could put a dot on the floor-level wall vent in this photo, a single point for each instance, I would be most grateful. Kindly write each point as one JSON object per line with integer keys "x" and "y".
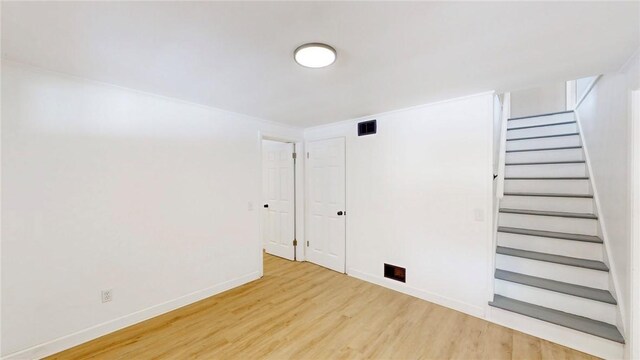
{"x": 394, "y": 272}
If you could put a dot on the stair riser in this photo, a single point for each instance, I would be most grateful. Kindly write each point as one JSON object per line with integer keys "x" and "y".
{"x": 591, "y": 309}
{"x": 540, "y": 120}
{"x": 574, "y": 339}
{"x": 570, "y": 274}
{"x": 550, "y": 223}
{"x": 560, "y": 141}
{"x": 579, "y": 187}
{"x": 564, "y": 204}
{"x": 546, "y": 156}
{"x": 543, "y": 131}
{"x": 571, "y": 248}
{"x": 546, "y": 170}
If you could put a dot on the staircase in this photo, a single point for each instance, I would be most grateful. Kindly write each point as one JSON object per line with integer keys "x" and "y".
{"x": 550, "y": 257}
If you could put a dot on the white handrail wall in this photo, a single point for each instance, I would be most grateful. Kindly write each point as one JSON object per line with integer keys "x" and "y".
{"x": 499, "y": 193}
{"x": 506, "y": 112}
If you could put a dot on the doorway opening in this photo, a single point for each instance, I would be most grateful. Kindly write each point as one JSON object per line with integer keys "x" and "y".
{"x": 278, "y": 212}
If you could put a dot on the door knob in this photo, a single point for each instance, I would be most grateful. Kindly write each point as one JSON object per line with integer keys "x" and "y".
{"x": 340, "y": 213}
{"x": 266, "y": 205}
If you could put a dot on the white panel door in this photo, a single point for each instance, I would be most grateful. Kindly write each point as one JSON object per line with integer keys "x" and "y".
{"x": 278, "y": 192}
{"x": 326, "y": 203}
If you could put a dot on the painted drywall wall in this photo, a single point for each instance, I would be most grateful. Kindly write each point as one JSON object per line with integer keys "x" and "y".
{"x": 109, "y": 188}
{"x": 605, "y": 117}
{"x": 634, "y": 338}
{"x": 539, "y": 100}
{"x": 419, "y": 195}
{"x": 497, "y": 129}
{"x": 582, "y": 85}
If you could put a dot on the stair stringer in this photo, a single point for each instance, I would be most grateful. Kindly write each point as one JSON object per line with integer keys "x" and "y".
{"x": 602, "y": 232}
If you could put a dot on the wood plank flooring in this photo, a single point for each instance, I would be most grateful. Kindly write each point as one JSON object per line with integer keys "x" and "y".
{"x": 303, "y": 311}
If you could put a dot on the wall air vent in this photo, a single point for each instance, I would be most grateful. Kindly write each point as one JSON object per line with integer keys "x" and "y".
{"x": 367, "y": 128}
{"x": 394, "y": 272}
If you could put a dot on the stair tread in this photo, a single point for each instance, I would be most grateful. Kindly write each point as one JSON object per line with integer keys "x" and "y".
{"x": 540, "y": 115}
{"x": 549, "y": 213}
{"x": 571, "y": 321}
{"x": 557, "y": 286}
{"x": 550, "y": 234}
{"x": 586, "y": 196}
{"x": 557, "y": 259}
{"x": 544, "y": 136}
{"x": 541, "y": 125}
{"x": 548, "y": 162}
{"x": 547, "y": 149}
{"x": 547, "y": 178}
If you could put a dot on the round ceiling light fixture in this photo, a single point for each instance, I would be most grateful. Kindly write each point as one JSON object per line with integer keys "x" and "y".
{"x": 315, "y": 55}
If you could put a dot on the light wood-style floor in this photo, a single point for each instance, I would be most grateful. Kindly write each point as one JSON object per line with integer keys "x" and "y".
{"x": 303, "y": 311}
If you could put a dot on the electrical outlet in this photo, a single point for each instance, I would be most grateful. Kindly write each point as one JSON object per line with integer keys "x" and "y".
{"x": 107, "y": 295}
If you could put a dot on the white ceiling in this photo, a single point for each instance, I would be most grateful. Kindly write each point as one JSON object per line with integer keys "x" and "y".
{"x": 238, "y": 55}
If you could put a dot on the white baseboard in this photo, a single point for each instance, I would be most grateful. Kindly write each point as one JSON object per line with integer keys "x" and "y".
{"x": 77, "y": 338}
{"x": 469, "y": 309}
{"x": 563, "y": 336}
{"x": 558, "y": 334}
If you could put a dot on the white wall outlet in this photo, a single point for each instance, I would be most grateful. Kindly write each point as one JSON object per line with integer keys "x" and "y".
{"x": 107, "y": 295}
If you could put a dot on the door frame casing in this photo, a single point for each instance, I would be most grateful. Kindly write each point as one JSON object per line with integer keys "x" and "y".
{"x": 346, "y": 195}
{"x": 299, "y": 192}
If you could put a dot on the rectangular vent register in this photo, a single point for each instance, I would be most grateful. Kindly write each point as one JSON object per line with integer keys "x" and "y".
{"x": 395, "y": 272}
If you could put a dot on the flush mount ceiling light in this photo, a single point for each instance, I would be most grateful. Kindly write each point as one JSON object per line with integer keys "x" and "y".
{"x": 315, "y": 55}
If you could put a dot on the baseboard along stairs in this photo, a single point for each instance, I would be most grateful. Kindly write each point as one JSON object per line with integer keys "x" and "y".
{"x": 550, "y": 259}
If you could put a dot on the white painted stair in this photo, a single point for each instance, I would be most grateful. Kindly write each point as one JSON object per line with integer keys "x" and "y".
{"x": 550, "y": 259}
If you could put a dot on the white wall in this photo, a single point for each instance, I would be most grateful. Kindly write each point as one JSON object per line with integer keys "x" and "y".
{"x": 497, "y": 130}
{"x": 414, "y": 191}
{"x": 582, "y": 86}
{"x": 605, "y": 119}
{"x": 109, "y": 188}
{"x": 634, "y": 343}
{"x": 544, "y": 99}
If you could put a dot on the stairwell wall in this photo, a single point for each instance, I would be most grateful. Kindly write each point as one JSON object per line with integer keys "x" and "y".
{"x": 543, "y": 99}
{"x": 605, "y": 117}
{"x": 419, "y": 195}
{"x": 634, "y": 338}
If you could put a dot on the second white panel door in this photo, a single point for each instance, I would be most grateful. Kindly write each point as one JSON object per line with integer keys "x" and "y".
{"x": 326, "y": 203}
{"x": 278, "y": 190}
